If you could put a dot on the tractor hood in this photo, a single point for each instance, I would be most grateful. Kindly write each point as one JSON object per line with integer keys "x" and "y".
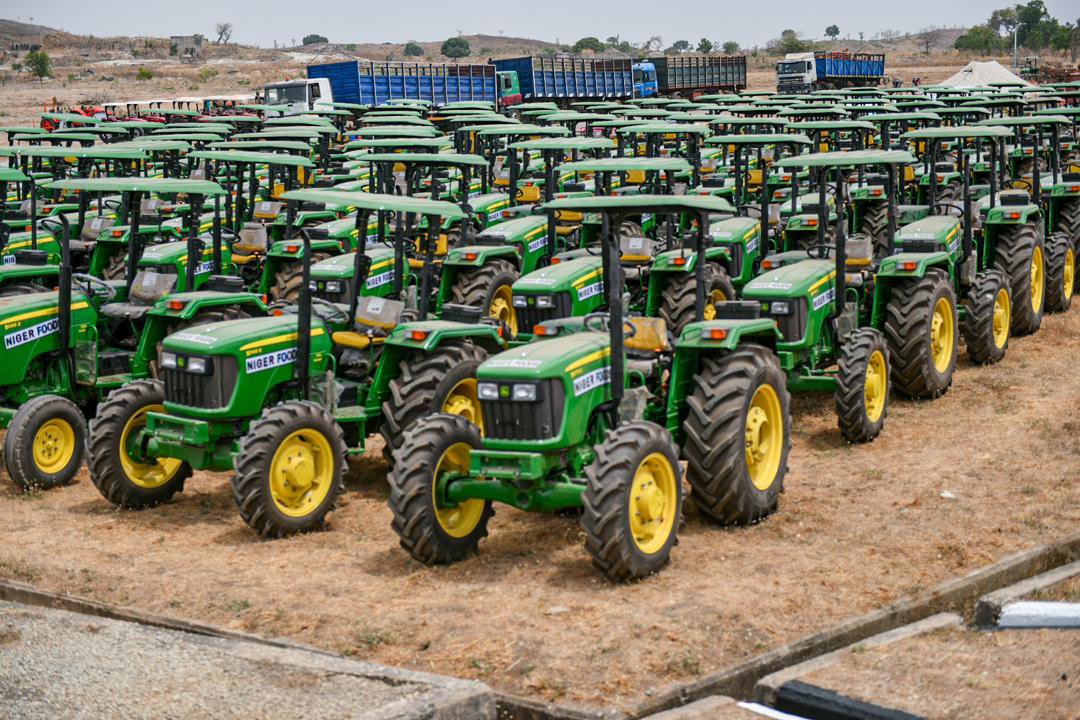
{"x": 580, "y": 274}
{"x": 31, "y": 322}
{"x": 510, "y": 229}
{"x": 245, "y": 338}
{"x": 939, "y": 230}
{"x": 341, "y": 266}
{"x": 801, "y": 279}
{"x": 562, "y": 357}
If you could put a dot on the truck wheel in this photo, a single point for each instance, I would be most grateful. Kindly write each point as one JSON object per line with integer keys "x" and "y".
{"x": 120, "y": 478}
{"x": 488, "y": 287}
{"x": 988, "y": 310}
{"x": 287, "y": 280}
{"x": 1060, "y": 272}
{"x": 862, "y": 390}
{"x": 920, "y": 326}
{"x": 875, "y": 223}
{"x": 633, "y": 501}
{"x": 434, "y": 531}
{"x": 1020, "y": 255}
{"x": 45, "y": 443}
{"x": 738, "y": 434}
{"x": 288, "y": 470}
{"x": 678, "y": 298}
{"x": 443, "y": 380}
{"x": 116, "y": 267}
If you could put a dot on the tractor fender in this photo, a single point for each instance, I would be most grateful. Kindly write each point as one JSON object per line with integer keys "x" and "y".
{"x": 428, "y": 335}
{"x": 293, "y": 249}
{"x": 480, "y": 255}
{"x": 679, "y": 261}
{"x": 910, "y": 264}
{"x": 727, "y": 335}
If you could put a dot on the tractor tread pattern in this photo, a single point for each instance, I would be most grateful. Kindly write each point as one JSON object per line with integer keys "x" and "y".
{"x": 679, "y": 296}
{"x": 1058, "y": 246}
{"x": 851, "y": 385}
{"x": 18, "y": 443}
{"x": 907, "y": 330}
{"x": 978, "y": 325}
{"x": 1013, "y": 257}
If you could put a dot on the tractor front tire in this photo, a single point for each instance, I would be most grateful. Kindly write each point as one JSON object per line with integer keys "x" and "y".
{"x": 862, "y": 390}
{"x": 488, "y": 288}
{"x": 921, "y": 330}
{"x": 45, "y": 443}
{"x": 289, "y": 469}
{"x": 122, "y": 480}
{"x": 1021, "y": 255}
{"x": 432, "y": 534}
{"x": 738, "y": 435}
{"x": 1060, "y": 272}
{"x": 679, "y": 296}
{"x": 633, "y": 501}
{"x": 988, "y": 322}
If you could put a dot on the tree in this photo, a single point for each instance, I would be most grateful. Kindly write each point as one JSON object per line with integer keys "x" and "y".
{"x": 588, "y": 43}
{"x": 224, "y": 33}
{"x": 144, "y": 74}
{"x": 930, "y": 39}
{"x": 413, "y": 49}
{"x": 654, "y": 44}
{"x": 788, "y": 42}
{"x": 832, "y": 32}
{"x": 314, "y": 39}
{"x": 456, "y": 48}
{"x": 731, "y": 47}
{"x": 39, "y": 64}
{"x": 981, "y": 39}
{"x": 680, "y": 46}
{"x": 705, "y": 46}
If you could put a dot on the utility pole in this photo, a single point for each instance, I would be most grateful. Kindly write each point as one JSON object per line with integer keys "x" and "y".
{"x": 1016, "y": 59}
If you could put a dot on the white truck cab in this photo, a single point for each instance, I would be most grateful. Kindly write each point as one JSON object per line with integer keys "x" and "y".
{"x": 301, "y": 95}
{"x": 797, "y": 72}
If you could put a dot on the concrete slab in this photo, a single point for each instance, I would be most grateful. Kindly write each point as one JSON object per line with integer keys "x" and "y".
{"x": 1028, "y": 614}
{"x": 56, "y": 663}
{"x": 990, "y": 605}
{"x": 721, "y": 707}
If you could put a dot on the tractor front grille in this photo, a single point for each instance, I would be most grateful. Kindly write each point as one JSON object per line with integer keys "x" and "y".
{"x": 530, "y": 316}
{"x": 539, "y": 420}
{"x": 209, "y": 392}
{"x": 792, "y": 325}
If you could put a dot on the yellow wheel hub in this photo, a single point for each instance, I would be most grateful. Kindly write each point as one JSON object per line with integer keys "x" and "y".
{"x": 1069, "y": 275}
{"x": 146, "y": 475}
{"x": 1038, "y": 279}
{"x": 54, "y": 446}
{"x": 1002, "y": 317}
{"x": 653, "y": 501}
{"x": 301, "y": 472}
{"x": 463, "y": 400}
{"x": 942, "y": 335}
{"x": 716, "y": 296}
{"x": 462, "y": 519}
{"x": 764, "y": 437}
{"x": 876, "y": 386}
{"x": 502, "y": 307}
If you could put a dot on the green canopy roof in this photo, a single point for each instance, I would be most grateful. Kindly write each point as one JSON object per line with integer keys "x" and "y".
{"x": 960, "y": 131}
{"x": 103, "y": 152}
{"x": 139, "y": 184}
{"x": 374, "y": 201}
{"x": 424, "y": 159}
{"x": 277, "y": 135}
{"x": 134, "y": 124}
{"x": 672, "y": 164}
{"x": 645, "y": 203}
{"x": 327, "y": 112}
{"x": 311, "y": 130}
{"x": 295, "y": 120}
{"x": 1027, "y": 120}
{"x": 832, "y": 125}
{"x": 567, "y": 144}
{"x": 369, "y": 119}
{"x": 901, "y": 117}
{"x": 662, "y": 128}
{"x": 211, "y": 127}
{"x": 174, "y": 111}
{"x": 233, "y": 119}
{"x": 58, "y": 136}
{"x": 183, "y": 136}
{"x": 151, "y": 147}
{"x": 258, "y": 158}
{"x": 69, "y": 117}
{"x": 759, "y": 139}
{"x": 468, "y": 105}
{"x": 834, "y": 110}
{"x": 403, "y": 143}
{"x": 522, "y": 129}
{"x": 25, "y": 129}
{"x": 398, "y": 131}
{"x": 293, "y": 145}
{"x": 733, "y": 120}
{"x": 848, "y": 158}
{"x": 574, "y": 116}
{"x": 8, "y": 174}
{"x": 408, "y": 101}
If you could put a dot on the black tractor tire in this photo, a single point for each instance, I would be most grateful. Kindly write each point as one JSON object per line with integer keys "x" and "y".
{"x": 116, "y": 267}
{"x": 22, "y": 288}
{"x": 425, "y": 382}
{"x": 478, "y": 287}
{"x": 43, "y": 423}
{"x": 288, "y": 279}
{"x": 1069, "y": 219}
{"x": 908, "y": 323}
{"x": 1013, "y": 256}
{"x": 983, "y": 341}
{"x": 106, "y": 445}
{"x": 716, "y": 427}
{"x": 412, "y": 498}
{"x": 949, "y": 192}
{"x": 609, "y": 501}
{"x": 1060, "y": 272}
{"x": 805, "y": 241}
{"x": 679, "y": 295}
{"x": 875, "y": 223}
{"x": 252, "y": 484}
{"x": 858, "y": 421}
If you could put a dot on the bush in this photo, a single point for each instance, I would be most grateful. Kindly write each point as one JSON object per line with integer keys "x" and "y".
{"x": 144, "y": 74}
{"x": 731, "y": 47}
{"x": 315, "y": 39}
{"x": 206, "y": 74}
{"x": 413, "y": 49}
{"x": 39, "y": 64}
{"x": 456, "y": 47}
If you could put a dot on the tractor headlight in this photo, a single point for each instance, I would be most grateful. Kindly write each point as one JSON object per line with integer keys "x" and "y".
{"x": 781, "y": 308}
{"x": 168, "y": 360}
{"x": 197, "y": 365}
{"x": 524, "y": 392}
{"x": 487, "y": 391}
{"x": 333, "y": 286}
{"x": 519, "y": 301}
{"x": 545, "y": 301}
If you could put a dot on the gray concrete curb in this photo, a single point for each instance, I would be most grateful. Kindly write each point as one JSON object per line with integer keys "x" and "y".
{"x": 988, "y": 609}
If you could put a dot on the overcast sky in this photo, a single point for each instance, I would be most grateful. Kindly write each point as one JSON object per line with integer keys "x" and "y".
{"x": 264, "y": 21}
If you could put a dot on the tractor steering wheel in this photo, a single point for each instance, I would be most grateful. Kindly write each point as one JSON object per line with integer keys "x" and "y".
{"x": 820, "y": 251}
{"x": 88, "y": 282}
{"x": 950, "y": 209}
{"x": 600, "y": 320}
{"x": 53, "y": 225}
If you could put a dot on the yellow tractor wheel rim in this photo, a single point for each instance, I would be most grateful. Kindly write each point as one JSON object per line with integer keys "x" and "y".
{"x": 1069, "y": 275}
{"x": 1038, "y": 279}
{"x": 942, "y": 335}
{"x": 764, "y": 435}
{"x": 1002, "y": 317}
{"x": 54, "y": 446}
{"x": 462, "y": 400}
{"x": 502, "y": 307}
{"x": 301, "y": 472}
{"x": 653, "y": 500}
{"x": 145, "y": 475}
{"x": 716, "y": 296}
{"x": 462, "y": 519}
{"x": 875, "y": 386}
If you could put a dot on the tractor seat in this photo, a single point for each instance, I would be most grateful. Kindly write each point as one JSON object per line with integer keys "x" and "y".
{"x": 651, "y": 336}
{"x": 374, "y": 319}
{"x": 148, "y": 288}
{"x": 635, "y": 251}
{"x": 93, "y": 227}
{"x": 858, "y": 251}
{"x": 253, "y": 240}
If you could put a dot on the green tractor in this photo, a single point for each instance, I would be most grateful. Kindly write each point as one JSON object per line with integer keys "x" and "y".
{"x": 283, "y": 400}
{"x": 596, "y": 416}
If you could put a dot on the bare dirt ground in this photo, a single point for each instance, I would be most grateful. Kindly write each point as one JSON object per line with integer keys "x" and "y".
{"x": 1009, "y": 675}
{"x": 987, "y": 470}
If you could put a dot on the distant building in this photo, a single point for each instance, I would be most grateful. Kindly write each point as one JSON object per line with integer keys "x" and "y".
{"x": 186, "y": 46}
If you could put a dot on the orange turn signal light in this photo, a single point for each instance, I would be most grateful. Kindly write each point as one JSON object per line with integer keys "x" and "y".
{"x": 1014, "y": 216}
{"x": 292, "y": 248}
{"x": 470, "y": 256}
{"x": 117, "y": 233}
{"x": 418, "y": 335}
{"x": 812, "y": 222}
{"x": 908, "y": 265}
{"x": 176, "y": 304}
{"x": 716, "y": 334}
{"x": 679, "y": 261}
{"x": 544, "y": 331}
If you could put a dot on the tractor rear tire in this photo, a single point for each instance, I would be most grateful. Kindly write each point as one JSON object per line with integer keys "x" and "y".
{"x": 949, "y": 193}
{"x": 431, "y": 537}
{"x": 45, "y": 443}
{"x": 909, "y": 325}
{"x": 288, "y": 279}
{"x": 633, "y": 501}
{"x": 488, "y": 288}
{"x": 116, "y": 267}
{"x": 1021, "y": 255}
{"x": 1069, "y": 222}
{"x": 678, "y": 298}
{"x": 862, "y": 390}
{"x": 805, "y": 241}
{"x": 988, "y": 311}
{"x": 428, "y": 380}
{"x": 875, "y": 223}
{"x": 297, "y": 432}
{"x": 136, "y": 485}
{"x": 1060, "y": 272}
{"x": 723, "y": 410}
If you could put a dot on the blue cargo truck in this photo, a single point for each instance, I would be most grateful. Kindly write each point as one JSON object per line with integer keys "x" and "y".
{"x": 373, "y": 83}
{"x": 568, "y": 79}
{"x": 688, "y": 76}
{"x": 809, "y": 71}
